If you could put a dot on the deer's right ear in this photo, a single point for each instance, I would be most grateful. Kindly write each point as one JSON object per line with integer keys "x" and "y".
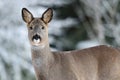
{"x": 27, "y": 15}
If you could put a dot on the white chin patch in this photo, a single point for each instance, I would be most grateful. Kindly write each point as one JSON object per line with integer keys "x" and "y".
{"x": 36, "y": 41}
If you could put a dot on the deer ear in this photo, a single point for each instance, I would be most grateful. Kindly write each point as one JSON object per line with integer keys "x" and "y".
{"x": 47, "y": 15}
{"x": 26, "y": 15}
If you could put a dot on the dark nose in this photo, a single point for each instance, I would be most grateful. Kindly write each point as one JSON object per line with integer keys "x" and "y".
{"x": 36, "y": 37}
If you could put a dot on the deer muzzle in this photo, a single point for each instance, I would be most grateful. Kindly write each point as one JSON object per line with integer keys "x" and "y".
{"x": 36, "y": 39}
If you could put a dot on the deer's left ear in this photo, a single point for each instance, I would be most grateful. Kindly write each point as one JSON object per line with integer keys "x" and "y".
{"x": 47, "y": 15}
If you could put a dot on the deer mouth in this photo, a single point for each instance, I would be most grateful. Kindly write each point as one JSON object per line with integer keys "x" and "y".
{"x": 36, "y": 39}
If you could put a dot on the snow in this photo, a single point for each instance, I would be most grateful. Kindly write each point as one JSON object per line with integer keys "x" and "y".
{"x": 56, "y": 25}
{"x": 87, "y": 44}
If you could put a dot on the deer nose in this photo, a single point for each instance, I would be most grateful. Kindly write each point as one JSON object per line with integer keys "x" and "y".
{"x": 36, "y": 37}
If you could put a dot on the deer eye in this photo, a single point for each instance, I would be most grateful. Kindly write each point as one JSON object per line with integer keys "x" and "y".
{"x": 31, "y": 28}
{"x": 43, "y": 27}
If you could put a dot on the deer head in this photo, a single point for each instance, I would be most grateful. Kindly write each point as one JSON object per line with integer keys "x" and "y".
{"x": 37, "y": 27}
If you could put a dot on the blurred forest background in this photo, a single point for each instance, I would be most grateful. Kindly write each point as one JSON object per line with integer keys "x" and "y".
{"x": 76, "y": 24}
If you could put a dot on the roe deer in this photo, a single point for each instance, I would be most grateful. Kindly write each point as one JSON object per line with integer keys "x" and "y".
{"x": 95, "y": 63}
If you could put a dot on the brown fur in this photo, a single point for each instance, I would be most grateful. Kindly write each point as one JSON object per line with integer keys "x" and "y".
{"x": 95, "y": 63}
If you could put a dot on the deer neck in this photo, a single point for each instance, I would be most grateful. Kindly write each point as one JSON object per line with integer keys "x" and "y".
{"x": 42, "y": 57}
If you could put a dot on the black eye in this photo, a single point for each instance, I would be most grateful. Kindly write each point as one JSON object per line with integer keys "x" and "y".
{"x": 43, "y": 27}
{"x": 31, "y": 28}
